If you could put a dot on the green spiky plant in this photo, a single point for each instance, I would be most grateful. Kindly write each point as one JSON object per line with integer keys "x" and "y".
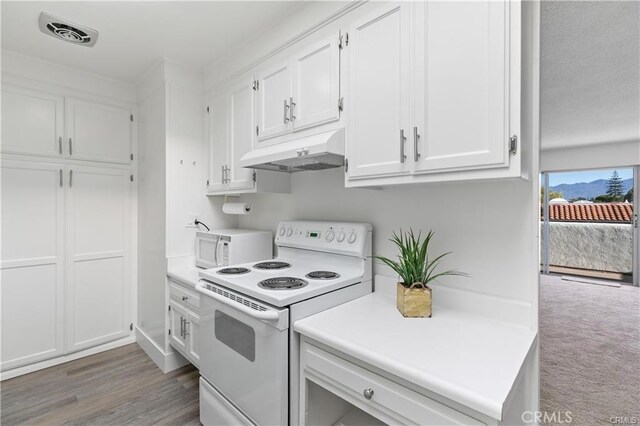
{"x": 414, "y": 266}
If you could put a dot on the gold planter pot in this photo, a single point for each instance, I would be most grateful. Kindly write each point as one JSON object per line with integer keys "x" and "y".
{"x": 414, "y": 301}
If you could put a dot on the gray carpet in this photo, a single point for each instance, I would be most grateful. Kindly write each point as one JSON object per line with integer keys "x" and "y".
{"x": 589, "y": 350}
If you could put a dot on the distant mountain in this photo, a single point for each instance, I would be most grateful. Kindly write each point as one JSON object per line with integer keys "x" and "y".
{"x": 587, "y": 190}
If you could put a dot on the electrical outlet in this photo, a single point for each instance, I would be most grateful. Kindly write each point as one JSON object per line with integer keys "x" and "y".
{"x": 191, "y": 219}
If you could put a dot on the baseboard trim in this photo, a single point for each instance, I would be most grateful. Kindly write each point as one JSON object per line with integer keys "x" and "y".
{"x": 26, "y": 369}
{"x": 166, "y": 361}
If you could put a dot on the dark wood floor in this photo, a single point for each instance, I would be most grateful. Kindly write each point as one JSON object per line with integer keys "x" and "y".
{"x": 118, "y": 387}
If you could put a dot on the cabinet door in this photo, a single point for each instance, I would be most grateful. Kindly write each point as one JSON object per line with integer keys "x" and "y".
{"x": 241, "y": 132}
{"x": 178, "y": 319}
{"x": 462, "y": 96}
{"x": 379, "y": 92}
{"x": 218, "y": 142}
{"x": 273, "y": 101}
{"x": 316, "y": 84}
{"x": 98, "y": 132}
{"x": 32, "y": 122}
{"x": 32, "y": 264}
{"x": 193, "y": 338}
{"x": 98, "y": 255}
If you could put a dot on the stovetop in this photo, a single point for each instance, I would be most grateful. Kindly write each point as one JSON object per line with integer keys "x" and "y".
{"x": 310, "y": 274}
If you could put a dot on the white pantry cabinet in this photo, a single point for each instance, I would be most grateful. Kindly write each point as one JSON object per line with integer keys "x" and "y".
{"x": 98, "y": 132}
{"x": 98, "y": 255}
{"x": 32, "y": 122}
{"x": 42, "y": 124}
{"x": 65, "y": 259}
{"x": 379, "y": 97}
{"x": 32, "y": 289}
{"x": 231, "y": 135}
{"x": 299, "y": 92}
{"x": 433, "y": 92}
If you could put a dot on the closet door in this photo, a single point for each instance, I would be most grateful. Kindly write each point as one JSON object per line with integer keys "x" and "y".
{"x": 462, "y": 85}
{"x": 32, "y": 264}
{"x": 98, "y": 132}
{"x": 274, "y": 101}
{"x": 98, "y": 255}
{"x": 379, "y": 97}
{"x": 316, "y": 84}
{"x": 32, "y": 122}
{"x": 241, "y": 119}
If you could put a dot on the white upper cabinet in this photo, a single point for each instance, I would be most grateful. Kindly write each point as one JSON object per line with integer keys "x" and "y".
{"x": 218, "y": 143}
{"x": 462, "y": 85}
{"x": 241, "y": 119}
{"x": 98, "y": 255}
{"x": 274, "y": 100}
{"x": 32, "y": 122}
{"x": 378, "y": 100}
{"x": 32, "y": 264}
{"x": 98, "y": 132}
{"x": 316, "y": 84}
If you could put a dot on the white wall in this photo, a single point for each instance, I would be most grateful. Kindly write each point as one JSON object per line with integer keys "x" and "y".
{"x": 485, "y": 224}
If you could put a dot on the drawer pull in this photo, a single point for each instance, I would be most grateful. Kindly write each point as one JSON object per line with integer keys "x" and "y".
{"x": 185, "y": 298}
{"x": 368, "y": 393}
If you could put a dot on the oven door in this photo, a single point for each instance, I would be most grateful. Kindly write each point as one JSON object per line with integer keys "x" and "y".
{"x": 244, "y": 353}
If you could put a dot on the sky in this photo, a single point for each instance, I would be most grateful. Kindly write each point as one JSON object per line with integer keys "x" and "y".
{"x": 586, "y": 176}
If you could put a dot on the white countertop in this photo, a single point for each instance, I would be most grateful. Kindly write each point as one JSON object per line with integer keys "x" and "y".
{"x": 188, "y": 276}
{"x": 467, "y": 358}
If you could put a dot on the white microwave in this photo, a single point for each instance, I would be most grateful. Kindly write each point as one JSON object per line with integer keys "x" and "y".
{"x": 226, "y": 247}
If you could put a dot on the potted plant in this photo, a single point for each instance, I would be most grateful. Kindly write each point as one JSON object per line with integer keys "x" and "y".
{"x": 415, "y": 270}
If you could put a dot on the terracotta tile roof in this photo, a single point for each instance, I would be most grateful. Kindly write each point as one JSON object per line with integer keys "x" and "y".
{"x": 597, "y": 212}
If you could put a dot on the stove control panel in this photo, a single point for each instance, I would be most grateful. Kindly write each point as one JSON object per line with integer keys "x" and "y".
{"x": 333, "y": 237}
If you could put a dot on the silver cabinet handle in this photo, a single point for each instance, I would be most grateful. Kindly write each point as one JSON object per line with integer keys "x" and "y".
{"x": 186, "y": 328}
{"x": 60, "y": 177}
{"x": 416, "y": 136}
{"x": 368, "y": 393}
{"x": 291, "y": 109}
{"x": 70, "y": 147}
{"x": 60, "y": 144}
{"x": 70, "y": 178}
{"x": 402, "y": 141}
{"x": 181, "y": 326}
{"x": 222, "y": 174}
{"x": 286, "y": 108}
{"x": 185, "y": 298}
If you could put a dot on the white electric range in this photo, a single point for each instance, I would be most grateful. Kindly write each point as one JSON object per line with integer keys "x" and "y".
{"x": 249, "y": 353}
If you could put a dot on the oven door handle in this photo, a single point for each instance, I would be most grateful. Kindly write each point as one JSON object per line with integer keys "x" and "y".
{"x": 261, "y": 315}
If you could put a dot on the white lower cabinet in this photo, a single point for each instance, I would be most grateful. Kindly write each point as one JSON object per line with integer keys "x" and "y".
{"x": 346, "y": 387}
{"x": 57, "y": 301}
{"x": 184, "y": 321}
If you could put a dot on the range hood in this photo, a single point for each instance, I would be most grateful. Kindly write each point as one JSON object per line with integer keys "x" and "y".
{"x": 317, "y": 152}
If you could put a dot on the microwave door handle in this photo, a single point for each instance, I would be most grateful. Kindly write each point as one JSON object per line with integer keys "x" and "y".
{"x": 261, "y": 315}
{"x": 219, "y": 256}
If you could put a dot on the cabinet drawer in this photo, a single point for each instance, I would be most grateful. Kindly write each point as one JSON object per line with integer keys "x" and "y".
{"x": 388, "y": 401}
{"x": 188, "y": 298}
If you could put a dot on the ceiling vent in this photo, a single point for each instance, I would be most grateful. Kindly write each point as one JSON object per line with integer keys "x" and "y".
{"x": 67, "y": 31}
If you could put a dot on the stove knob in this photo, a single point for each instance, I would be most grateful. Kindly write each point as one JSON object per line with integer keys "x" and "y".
{"x": 330, "y": 235}
{"x": 289, "y": 232}
{"x": 282, "y": 231}
{"x": 352, "y": 237}
{"x": 341, "y": 236}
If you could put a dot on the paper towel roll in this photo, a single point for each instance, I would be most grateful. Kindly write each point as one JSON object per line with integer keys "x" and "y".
{"x": 236, "y": 208}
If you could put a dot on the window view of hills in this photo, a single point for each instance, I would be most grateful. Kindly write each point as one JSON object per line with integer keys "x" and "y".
{"x": 617, "y": 188}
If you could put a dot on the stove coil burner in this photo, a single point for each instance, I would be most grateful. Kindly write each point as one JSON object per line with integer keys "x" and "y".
{"x": 233, "y": 271}
{"x": 282, "y": 283}
{"x": 322, "y": 275}
{"x": 272, "y": 265}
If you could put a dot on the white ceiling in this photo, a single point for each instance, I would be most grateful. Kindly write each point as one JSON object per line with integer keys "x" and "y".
{"x": 133, "y": 36}
{"x": 590, "y": 72}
